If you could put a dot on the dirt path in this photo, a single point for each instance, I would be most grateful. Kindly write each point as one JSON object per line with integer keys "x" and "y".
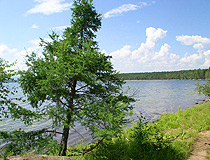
{"x": 201, "y": 147}
{"x": 37, "y": 157}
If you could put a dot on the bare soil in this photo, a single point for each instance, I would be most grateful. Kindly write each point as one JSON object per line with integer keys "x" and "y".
{"x": 37, "y": 157}
{"x": 201, "y": 147}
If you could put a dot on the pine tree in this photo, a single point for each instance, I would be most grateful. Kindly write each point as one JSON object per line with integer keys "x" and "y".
{"x": 72, "y": 81}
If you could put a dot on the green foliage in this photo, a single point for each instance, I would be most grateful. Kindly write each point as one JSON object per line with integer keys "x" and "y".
{"x": 171, "y": 137}
{"x": 143, "y": 141}
{"x": 196, "y": 74}
{"x": 203, "y": 88}
{"x": 9, "y": 109}
{"x": 72, "y": 81}
{"x": 185, "y": 120}
{"x": 20, "y": 142}
{"x": 8, "y": 98}
{"x": 186, "y": 125}
{"x": 149, "y": 142}
{"x": 103, "y": 117}
{"x": 85, "y": 21}
{"x": 6, "y": 91}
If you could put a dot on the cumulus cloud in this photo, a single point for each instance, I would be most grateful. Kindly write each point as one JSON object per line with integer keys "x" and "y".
{"x": 145, "y": 51}
{"x": 7, "y": 53}
{"x": 145, "y": 58}
{"x": 207, "y": 58}
{"x": 122, "y": 53}
{"x": 124, "y": 8}
{"x": 200, "y": 59}
{"x": 193, "y": 60}
{"x": 190, "y": 40}
{"x": 198, "y": 42}
{"x": 149, "y": 58}
{"x": 5, "y": 50}
{"x": 17, "y": 55}
{"x": 48, "y": 7}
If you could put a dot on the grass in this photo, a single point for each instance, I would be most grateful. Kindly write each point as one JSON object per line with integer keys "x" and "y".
{"x": 171, "y": 137}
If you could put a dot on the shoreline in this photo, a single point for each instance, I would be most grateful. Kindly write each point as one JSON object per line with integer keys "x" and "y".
{"x": 170, "y": 80}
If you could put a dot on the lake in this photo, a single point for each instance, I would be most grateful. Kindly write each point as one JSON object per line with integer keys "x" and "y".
{"x": 163, "y": 96}
{"x": 154, "y": 98}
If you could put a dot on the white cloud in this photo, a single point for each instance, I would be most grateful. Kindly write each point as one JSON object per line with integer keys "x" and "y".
{"x": 8, "y": 54}
{"x": 48, "y": 7}
{"x": 36, "y": 42}
{"x": 35, "y": 47}
{"x": 21, "y": 54}
{"x": 149, "y": 58}
{"x": 207, "y": 58}
{"x": 34, "y": 26}
{"x": 190, "y": 40}
{"x": 59, "y": 28}
{"x": 193, "y": 61}
{"x": 145, "y": 50}
{"x": 124, "y": 8}
{"x": 145, "y": 58}
{"x": 196, "y": 60}
{"x": 122, "y": 53}
{"x": 13, "y": 55}
{"x": 5, "y": 50}
{"x": 199, "y": 43}
{"x": 154, "y": 34}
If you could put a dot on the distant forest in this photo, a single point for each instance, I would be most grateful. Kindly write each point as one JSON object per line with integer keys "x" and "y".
{"x": 197, "y": 74}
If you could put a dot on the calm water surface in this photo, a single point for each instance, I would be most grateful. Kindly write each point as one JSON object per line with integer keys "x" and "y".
{"x": 163, "y": 96}
{"x": 153, "y": 99}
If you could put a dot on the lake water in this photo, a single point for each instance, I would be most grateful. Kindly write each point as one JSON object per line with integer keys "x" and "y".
{"x": 153, "y": 99}
{"x": 163, "y": 96}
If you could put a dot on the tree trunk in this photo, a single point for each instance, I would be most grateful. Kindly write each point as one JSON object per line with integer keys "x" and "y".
{"x": 64, "y": 140}
{"x": 66, "y": 128}
{"x": 65, "y": 136}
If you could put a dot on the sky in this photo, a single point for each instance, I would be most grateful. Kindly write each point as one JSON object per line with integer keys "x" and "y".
{"x": 140, "y": 35}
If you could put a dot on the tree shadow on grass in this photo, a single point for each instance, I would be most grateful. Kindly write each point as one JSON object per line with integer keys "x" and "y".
{"x": 143, "y": 142}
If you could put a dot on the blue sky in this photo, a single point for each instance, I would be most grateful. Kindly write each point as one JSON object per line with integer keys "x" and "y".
{"x": 140, "y": 35}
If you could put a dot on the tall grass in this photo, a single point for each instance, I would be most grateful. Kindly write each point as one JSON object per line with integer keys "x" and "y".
{"x": 169, "y": 138}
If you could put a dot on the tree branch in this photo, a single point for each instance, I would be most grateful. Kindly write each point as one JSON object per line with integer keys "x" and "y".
{"x": 64, "y": 103}
{"x": 97, "y": 144}
{"x": 54, "y": 132}
{"x": 81, "y": 88}
{"x": 89, "y": 149}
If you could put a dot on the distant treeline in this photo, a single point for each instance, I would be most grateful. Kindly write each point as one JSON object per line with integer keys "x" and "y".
{"x": 197, "y": 74}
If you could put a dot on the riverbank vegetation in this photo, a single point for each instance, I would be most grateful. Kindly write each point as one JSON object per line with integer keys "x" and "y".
{"x": 197, "y": 74}
{"x": 171, "y": 137}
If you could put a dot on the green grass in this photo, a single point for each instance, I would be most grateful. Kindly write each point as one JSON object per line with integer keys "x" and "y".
{"x": 169, "y": 138}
